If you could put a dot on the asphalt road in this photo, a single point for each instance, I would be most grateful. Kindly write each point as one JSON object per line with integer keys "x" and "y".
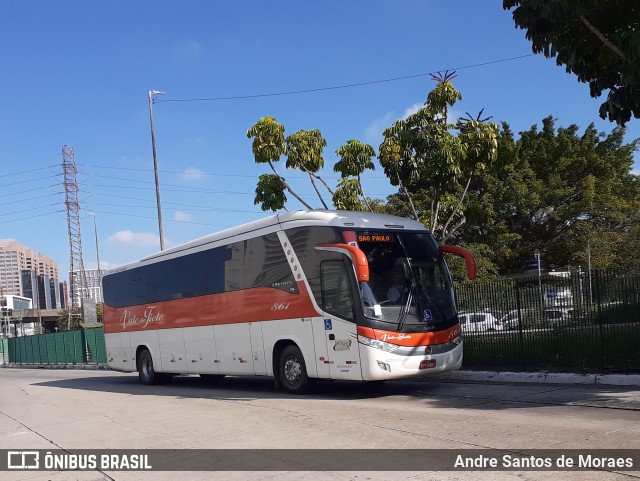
{"x": 73, "y": 409}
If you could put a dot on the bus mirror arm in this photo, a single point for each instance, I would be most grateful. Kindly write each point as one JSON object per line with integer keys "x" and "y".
{"x": 468, "y": 258}
{"x": 358, "y": 258}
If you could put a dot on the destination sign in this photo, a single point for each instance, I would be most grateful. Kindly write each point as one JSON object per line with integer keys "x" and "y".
{"x": 376, "y": 238}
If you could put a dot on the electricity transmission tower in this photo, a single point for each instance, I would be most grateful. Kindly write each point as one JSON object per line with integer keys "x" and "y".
{"x": 77, "y": 275}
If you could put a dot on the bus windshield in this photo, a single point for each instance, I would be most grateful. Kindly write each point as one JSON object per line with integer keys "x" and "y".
{"x": 409, "y": 287}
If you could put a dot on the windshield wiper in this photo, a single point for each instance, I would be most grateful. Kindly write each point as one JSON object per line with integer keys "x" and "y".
{"x": 406, "y": 306}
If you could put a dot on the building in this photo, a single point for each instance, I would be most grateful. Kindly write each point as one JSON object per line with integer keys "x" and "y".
{"x": 93, "y": 287}
{"x": 21, "y": 269}
{"x": 16, "y": 302}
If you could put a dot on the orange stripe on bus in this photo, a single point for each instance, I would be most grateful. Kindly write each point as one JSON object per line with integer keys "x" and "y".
{"x": 248, "y": 305}
{"x": 413, "y": 338}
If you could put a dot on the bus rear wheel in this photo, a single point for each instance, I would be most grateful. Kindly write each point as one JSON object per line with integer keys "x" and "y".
{"x": 292, "y": 371}
{"x": 146, "y": 372}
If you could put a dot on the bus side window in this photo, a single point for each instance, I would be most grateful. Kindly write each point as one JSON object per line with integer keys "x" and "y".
{"x": 336, "y": 292}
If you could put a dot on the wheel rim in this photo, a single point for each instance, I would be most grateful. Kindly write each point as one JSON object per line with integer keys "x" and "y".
{"x": 292, "y": 370}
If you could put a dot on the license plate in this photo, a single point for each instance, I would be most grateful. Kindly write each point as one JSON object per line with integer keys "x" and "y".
{"x": 428, "y": 364}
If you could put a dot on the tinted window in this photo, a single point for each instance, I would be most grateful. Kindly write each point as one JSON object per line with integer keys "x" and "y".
{"x": 303, "y": 240}
{"x": 336, "y": 295}
{"x": 259, "y": 262}
{"x": 207, "y": 272}
{"x": 267, "y": 266}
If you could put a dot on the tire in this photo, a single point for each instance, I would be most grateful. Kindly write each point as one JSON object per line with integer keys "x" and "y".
{"x": 146, "y": 373}
{"x": 292, "y": 371}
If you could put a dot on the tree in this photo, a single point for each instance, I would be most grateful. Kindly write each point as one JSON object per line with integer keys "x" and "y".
{"x": 424, "y": 152}
{"x": 355, "y": 158}
{"x": 597, "y": 40}
{"x": 270, "y": 193}
{"x": 268, "y": 146}
{"x": 304, "y": 152}
{"x": 560, "y": 192}
{"x": 64, "y": 322}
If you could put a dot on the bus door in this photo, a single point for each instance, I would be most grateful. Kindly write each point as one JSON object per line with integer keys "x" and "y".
{"x": 339, "y": 322}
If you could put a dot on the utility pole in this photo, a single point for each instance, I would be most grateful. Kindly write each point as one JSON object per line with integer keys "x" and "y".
{"x": 95, "y": 230}
{"x": 152, "y": 93}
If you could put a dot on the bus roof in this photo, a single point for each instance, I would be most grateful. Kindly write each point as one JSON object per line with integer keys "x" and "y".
{"x": 357, "y": 220}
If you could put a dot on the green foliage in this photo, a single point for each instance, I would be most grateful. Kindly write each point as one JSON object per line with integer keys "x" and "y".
{"x": 355, "y": 158}
{"x": 560, "y": 192}
{"x": 270, "y": 193}
{"x": 486, "y": 269}
{"x": 268, "y": 140}
{"x": 268, "y": 146}
{"x": 304, "y": 150}
{"x": 347, "y": 195}
{"x": 597, "y": 40}
{"x": 66, "y": 323}
{"x": 426, "y": 153}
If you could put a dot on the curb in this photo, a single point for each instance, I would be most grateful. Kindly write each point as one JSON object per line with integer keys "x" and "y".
{"x": 540, "y": 378}
{"x": 464, "y": 376}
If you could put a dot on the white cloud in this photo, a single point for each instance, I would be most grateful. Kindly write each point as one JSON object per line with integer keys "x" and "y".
{"x": 135, "y": 239}
{"x": 181, "y": 216}
{"x": 373, "y": 133}
{"x": 411, "y": 110}
{"x": 192, "y": 174}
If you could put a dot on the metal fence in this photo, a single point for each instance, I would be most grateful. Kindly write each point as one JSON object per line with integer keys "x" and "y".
{"x": 574, "y": 320}
{"x": 69, "y": 347}
{"x": 549, "y": 322}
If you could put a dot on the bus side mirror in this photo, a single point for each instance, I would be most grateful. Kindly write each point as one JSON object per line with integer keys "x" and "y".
{"x": 359, "y": 259}
{"x": 469, "y": 260}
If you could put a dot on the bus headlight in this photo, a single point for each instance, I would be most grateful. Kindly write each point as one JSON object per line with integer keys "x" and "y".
{"x": 383, "y": 346}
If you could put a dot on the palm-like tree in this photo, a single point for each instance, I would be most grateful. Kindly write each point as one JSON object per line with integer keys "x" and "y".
{"x": 355, "y": 158}
{"x": 268, "y": 146}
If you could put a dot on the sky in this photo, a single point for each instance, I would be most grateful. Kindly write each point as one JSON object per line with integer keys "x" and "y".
{"x": 78, "y": 73}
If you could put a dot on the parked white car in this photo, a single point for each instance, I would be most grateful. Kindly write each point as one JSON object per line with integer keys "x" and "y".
{"x": 479, "y": 322}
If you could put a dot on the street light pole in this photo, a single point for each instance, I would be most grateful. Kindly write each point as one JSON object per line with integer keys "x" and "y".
{"x": 152, "y": 93}
{"x": 95, "y": 230}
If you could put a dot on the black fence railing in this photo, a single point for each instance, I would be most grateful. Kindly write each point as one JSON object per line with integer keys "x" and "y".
{"x": 574, "y": 320}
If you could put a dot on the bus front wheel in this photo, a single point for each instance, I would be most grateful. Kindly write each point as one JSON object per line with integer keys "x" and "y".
{"x": 146, "y": 373}
{"x": 292, "y": 371}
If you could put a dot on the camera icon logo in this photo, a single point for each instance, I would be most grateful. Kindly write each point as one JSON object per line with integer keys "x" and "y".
{"x": 23, "y": 460}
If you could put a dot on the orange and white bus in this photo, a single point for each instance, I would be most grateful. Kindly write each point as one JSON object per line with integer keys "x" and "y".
{"x": 298, "y": 296}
